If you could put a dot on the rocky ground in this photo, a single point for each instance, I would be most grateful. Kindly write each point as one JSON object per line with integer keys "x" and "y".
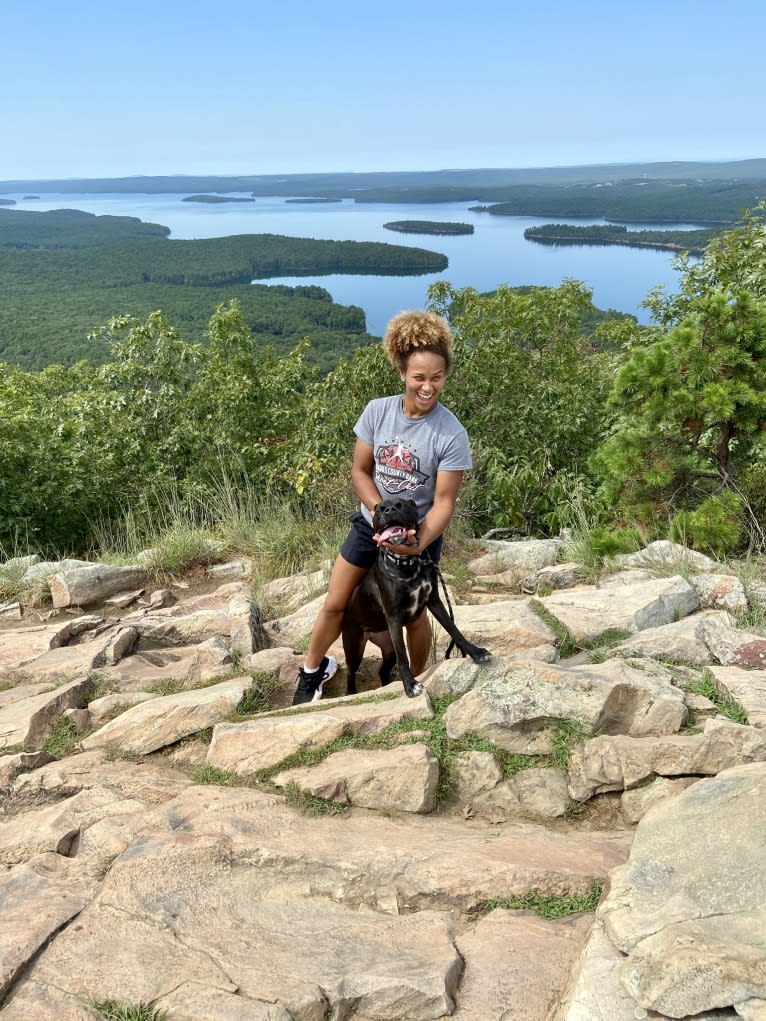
{"x": 571, "y": 832}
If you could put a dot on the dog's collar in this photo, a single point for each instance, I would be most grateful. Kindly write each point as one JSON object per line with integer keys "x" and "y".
{"x": 401, "y": 559}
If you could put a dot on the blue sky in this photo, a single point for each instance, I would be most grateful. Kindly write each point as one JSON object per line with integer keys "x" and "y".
{"x": 97, "y": 89}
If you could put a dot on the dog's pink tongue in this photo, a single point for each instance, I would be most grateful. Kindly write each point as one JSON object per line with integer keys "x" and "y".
{"x": 394, "y": 535}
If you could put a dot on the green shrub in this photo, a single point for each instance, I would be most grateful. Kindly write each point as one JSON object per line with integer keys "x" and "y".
{"x": 715, "y": 527}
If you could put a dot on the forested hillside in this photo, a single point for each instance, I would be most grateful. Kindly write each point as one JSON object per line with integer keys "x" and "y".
{"x": 64, "y": 273}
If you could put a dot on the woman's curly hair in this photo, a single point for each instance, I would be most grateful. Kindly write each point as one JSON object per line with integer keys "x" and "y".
{"x": 417, "y": 331}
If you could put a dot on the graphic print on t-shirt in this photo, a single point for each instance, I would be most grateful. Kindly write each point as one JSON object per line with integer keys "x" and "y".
{"x": 397, "y": 468}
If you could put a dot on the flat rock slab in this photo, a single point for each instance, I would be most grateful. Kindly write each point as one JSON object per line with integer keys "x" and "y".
{"x": 683, "y": 641}
{"x": 153, "y": 782}
{"x": 516, "y": 964}
{"x": 695, "y": 935}
{"x": 181, "y": 908}
{"x": 524, "y": 555}
{"x": 588, "y": 613}
{"x": 397, "y": 864}
{"x": 165, "y": 720}
{"x": 257, "y": 744}
{"x": 38, "y": 898}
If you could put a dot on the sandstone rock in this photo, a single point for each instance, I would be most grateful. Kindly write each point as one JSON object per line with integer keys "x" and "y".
{"x": 53, "y": 828}
{"x": 165, "y": 720}
{"x": 516, "y": 964}
{"x": 20, "y": 563}
{"x": 721, "y": 591}
{"x": 210, "y": 659}
{"x": 662, "y": 554}
{"x": 38, "y": 897}
{"x": 517, "y": 705}
{"x": 10, "y": 611}
{"x": 45, "y": 568}
{"x": 83, "y": 586}
{"x": 121, "y": 644}
{"x": 290, "y": 629}
{"x": 733, "y": 647}
{"x": 152, "y": 783}
{"x": 182, "y": 909}
{"x": 695, "y": 936}
{"x": 125, "y": 599}
{"x": 524, "y": 554}
{"x": 684, "y": 641}
{"x": 534, "y": 793}
{"x": 187, "y": 629}
{"x": 20, "y": 762}
{"x": 503, "y": 627}
{"x": 292, "y": 592}
{"x": 474, "y": 773}
{"x": 64, "y": 633}
{"x": 401, "y": 780}
{"x": 588, "y": 613}
{"x": 748, "y": 687}
{"x": 190, "y": 1003}
{"x": 620, "y": 762}
{"x": 246, "y": 629}
{"x": 634, "y": 804}
{"x": 559, "y": 576}
{"x": 231, "y": 570}
{"x": 629, "y": 576}
{"x": 394, "y": 864}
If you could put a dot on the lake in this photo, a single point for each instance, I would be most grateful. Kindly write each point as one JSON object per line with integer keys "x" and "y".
{"x": 496, "y": 253}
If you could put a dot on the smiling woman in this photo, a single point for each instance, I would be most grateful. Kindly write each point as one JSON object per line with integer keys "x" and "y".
{"x": 409, "y": 446}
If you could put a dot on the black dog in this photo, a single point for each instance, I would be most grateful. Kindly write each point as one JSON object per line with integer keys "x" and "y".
{"x": 394, "y": 593}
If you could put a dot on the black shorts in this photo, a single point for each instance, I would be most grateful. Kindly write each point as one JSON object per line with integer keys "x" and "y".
{"x": 360, "y": 549}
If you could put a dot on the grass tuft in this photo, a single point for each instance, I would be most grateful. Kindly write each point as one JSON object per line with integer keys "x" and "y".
{"x": 309, "y": 804}
{"x": 567, "y": 644}
{"x": 208, "y": 774}
{"x": 112, "y": 1010}
{"x": 62, "y": 739}
{"x": 725, "y": 703}
{"x": 257, "y": 698}
{"x": 550, "y": 905}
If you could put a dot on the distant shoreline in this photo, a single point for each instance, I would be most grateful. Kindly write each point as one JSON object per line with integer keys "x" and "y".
{"x": 215, "y": 199}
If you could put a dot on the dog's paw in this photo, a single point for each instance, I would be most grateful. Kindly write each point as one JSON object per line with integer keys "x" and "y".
{"x": 481, "y": 656}
{"x": 416, "y": 689}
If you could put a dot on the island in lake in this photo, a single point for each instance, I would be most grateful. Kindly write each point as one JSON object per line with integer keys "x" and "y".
{"x": 311, "y": 201}
{"x": 7, "y": 202}
{"x": 215, "y": 198}
{"x": 429, "y": 227}
{"x": 694, "y": 241}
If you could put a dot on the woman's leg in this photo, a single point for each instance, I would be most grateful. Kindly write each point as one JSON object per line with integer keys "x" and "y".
{"x": 419, "y": 642}
{"x": 343, "y": 580}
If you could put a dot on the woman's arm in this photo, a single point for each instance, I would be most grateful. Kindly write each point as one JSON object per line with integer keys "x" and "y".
{"x": 362, "y": 470}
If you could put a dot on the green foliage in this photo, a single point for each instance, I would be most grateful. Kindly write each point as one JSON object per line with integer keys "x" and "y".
{"x": 566, "y": 640}
{"x": 715, "y": 525}
{"x": 690, "y": 398}
{"x": 531, "y": 393}
{"x": 62, "y": 738}
{"x": 725, "y": 703}
{"x": 565, "y": 734}
{"x": 550, "y": 905}
{"x": 208, "y": 774}
{"x": 257, "y": 698}
{"x": 113, "y": 1010}
{"x": 613, "y": 234}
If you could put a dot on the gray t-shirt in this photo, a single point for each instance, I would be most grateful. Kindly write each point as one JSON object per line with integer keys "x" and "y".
{"x": 410, "y": 451}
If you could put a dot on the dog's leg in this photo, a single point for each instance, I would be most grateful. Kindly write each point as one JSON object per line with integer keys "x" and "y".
{"x": 354, "y": 642}
{"x": 411, "y": 686}
{"x": 383, "y": 641}
{"x": 439, "y": 612}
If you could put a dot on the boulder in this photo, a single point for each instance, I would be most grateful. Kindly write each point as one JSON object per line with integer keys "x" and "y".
{"x": 733, "y": 647}
{"x": 400, "y": 780}
{"x": 502, "y": 627}
{"x": 523, "y": 555}
{"x": 695, "y": 935}
{"x": 517, "y": 706}
{"x": 663, "y": 554}
{"x": 27, "y": 722}
{"x": 720, "y": 591}
{"x": 83, "y": 586}
{"x": 683, "y": 641}
{"x": 588, "y": 613}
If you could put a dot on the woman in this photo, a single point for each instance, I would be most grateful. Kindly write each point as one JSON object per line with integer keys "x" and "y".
{"x": 407, "y": 446}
